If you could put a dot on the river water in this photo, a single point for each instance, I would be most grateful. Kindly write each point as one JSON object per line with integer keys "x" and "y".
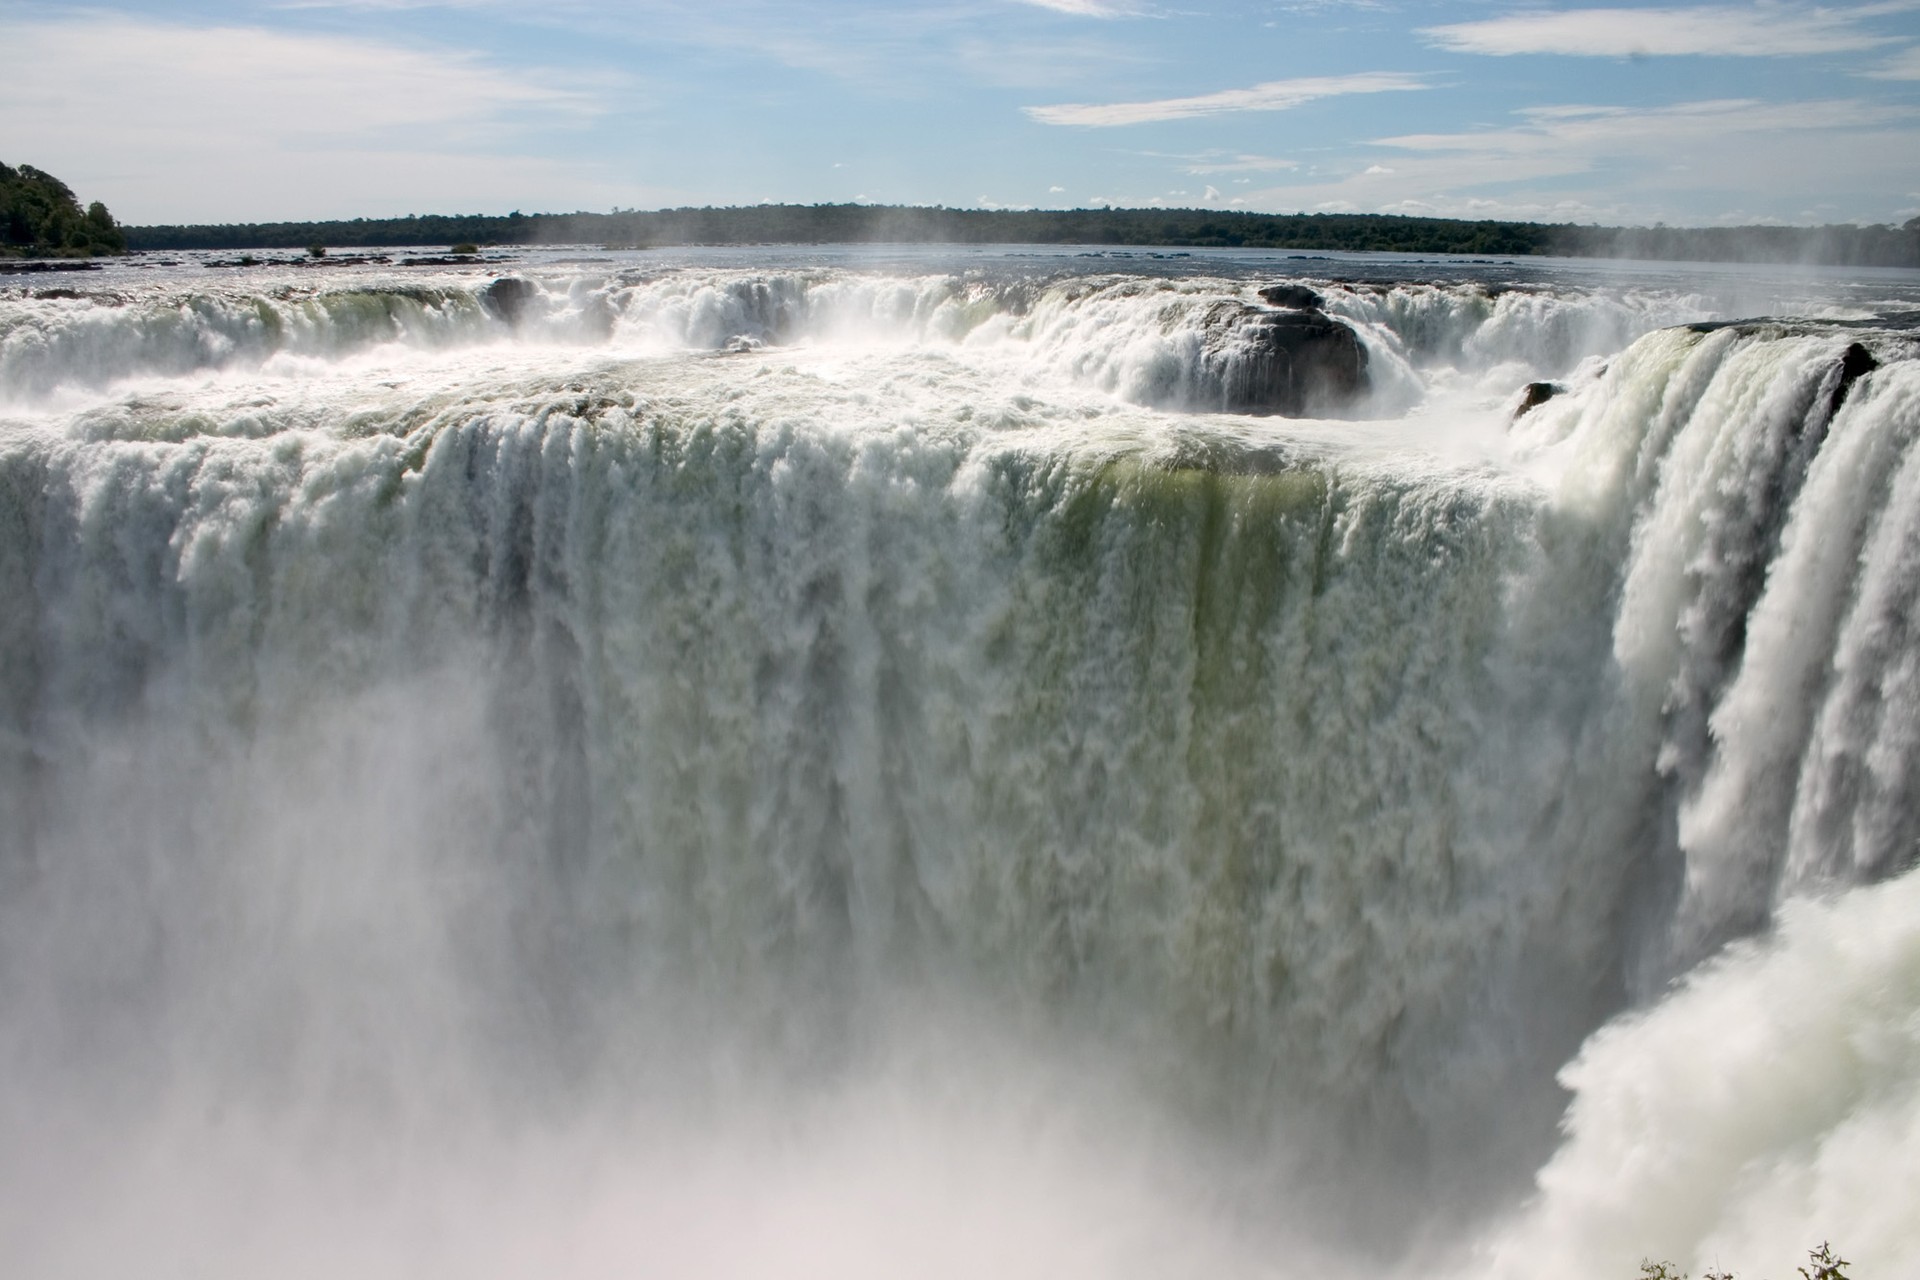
{"x": 844, "y": 761}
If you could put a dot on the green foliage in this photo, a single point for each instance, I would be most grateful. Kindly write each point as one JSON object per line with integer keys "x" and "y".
{"x": 316, "y": 250}
{"x": 464, "y": 249}
{"x": 1667, "y": 1271}
{"x": 1826, "y": 1265}
{"x": 40, "y": 218}
{"x": 1126, "y": 228}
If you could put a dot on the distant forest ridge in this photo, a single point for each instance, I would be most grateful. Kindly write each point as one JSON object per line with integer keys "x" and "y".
{"x": 1184, "y": 228}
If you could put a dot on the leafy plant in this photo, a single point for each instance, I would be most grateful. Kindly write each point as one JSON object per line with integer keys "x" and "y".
{"x": 1826, "y": 1266}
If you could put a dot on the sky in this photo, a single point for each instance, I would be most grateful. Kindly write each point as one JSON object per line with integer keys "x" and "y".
{"x": 257, "y": 110}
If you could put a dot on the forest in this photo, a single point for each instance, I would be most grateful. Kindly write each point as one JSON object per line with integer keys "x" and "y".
{"x": 41, "y": 218}
{"x": 1872, "y": 245}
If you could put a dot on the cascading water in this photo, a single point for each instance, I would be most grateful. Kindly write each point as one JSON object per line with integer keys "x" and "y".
{"x": 731, "y": 770}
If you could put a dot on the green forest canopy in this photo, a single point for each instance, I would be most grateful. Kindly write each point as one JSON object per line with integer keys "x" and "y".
{"x": 858, "y": 223}
{"x": 40, "y": 218}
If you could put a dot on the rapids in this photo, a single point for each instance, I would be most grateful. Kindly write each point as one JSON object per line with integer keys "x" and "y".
{"x": 732, "y": 765}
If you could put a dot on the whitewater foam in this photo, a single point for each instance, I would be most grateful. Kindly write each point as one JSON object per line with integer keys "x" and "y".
{"x": 833, "y": 719}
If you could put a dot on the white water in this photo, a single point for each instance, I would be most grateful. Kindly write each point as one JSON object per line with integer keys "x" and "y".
{"x": 483, "y": 797}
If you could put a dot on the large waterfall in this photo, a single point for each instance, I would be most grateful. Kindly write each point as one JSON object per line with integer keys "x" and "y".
{"x": 718, "y": 768}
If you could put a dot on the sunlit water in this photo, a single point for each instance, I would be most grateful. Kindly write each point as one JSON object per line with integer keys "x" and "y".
{"x": 834, "y": 762}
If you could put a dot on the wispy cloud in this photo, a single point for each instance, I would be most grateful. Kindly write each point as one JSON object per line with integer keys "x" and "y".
{"x": 390, "y": 5}
{"x": 1275, "y": 95}
{"x": 1904, "y": 65}
{"x": 1580, "y": 130}
{"x": 1619, "y": 163}
{"x": 311, "y": 121}
{"x": 1088, "y": 8}
{"x": 1323, "y": 6}
{"x": 1756, "y": 31}
{"x": 245, "y": 82}
{"x": 1212, "y": 163}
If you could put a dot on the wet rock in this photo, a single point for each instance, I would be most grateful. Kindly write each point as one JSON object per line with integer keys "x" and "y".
{"x": 1536, "y": 394}
{"x": 1855, "y": 363}
{"x": 23, "y": 266}
{"x": 508, "y": 298}
{"x": 1294, "y": 297}
{"x": 1292, "y": 363}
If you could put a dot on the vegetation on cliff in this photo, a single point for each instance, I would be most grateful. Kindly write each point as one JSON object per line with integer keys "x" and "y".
{"x": 40, "y": 218}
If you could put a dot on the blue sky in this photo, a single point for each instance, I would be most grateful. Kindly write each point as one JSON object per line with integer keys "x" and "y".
{"x": 231, "y": 110}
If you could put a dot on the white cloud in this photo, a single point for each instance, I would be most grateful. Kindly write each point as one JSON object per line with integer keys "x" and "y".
{"x": 1275, "y": 95}
{"x": 1086, "y": 8}
{"x": 1203, "y": 165}
{"x": 1758, "y": 31}
{"x": 174, "y": 122}
{"x": 388, "y": 5}
{"x": 1904, "y": 65}
{"x": 1577, "y": 133}
{"x": 1609, "y": 163}
{"x": 1322, "y": 6}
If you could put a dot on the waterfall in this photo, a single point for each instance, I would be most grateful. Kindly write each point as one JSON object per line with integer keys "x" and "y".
{"x": 703, "y": 700}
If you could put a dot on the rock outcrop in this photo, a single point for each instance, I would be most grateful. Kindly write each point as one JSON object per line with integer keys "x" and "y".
{"x": 1292, "y": 297}
{"x": 1536, "y": 394}
{"x": 1295, "y": 363}
{"x": 508, "y": 298}
{"x": 1855, "y": 363}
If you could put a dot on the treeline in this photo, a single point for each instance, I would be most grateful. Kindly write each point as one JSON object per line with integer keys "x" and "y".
{"x": 41, "y": 218}
{"x": 856, "y": 223}
{"x": 1840, "y": 245}
{"x": 1182, "y": 228}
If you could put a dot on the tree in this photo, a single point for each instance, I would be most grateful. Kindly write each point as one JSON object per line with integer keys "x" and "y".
{"x": 39, "y": 217}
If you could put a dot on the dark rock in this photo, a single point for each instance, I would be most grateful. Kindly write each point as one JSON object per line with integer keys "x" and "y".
{"x": 442, "y": 260}
{"x": 1536, "y": 394}
{"x": 46, "y": 294}
{"x": 332, "y": 260}
{"x": 508, "y": 298}
{"x": 1293, "y": 363}
{"x": 1294, "y": 297}
{"x": 21, "y": 266}
{"x": 1854, "y": 364}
